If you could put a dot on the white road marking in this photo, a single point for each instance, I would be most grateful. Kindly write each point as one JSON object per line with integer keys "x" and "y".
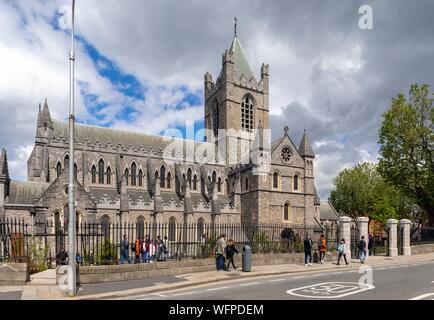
{"x": 160, "y": 295}
{"x": 423, "y": 296}
{"x": 219, "y": 288}
{"x": 184, "y": 293}
{"x": 276, "y": 280}
{"x": 381, "y": 268}
{"x": 330, "y": 290}
{"x": 299, "y": 277}
{"x": 248, "y": 284}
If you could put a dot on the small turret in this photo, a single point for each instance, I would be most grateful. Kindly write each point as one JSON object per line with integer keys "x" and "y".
{"x": 305, "y": 149}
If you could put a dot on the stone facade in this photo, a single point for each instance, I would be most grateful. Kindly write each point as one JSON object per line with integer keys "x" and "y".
{"x": 124, "y": 176}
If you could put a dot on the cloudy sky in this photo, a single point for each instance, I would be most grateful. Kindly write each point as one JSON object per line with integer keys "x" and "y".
{"x": 140, "y": 66}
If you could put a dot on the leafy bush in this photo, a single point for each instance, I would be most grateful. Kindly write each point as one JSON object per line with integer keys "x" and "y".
{"x": 37, "y": 256}
{"x": 107, "y": 253}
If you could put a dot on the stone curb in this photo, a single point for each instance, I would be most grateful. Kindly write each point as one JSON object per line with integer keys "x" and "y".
{"x": 141, "y": 291}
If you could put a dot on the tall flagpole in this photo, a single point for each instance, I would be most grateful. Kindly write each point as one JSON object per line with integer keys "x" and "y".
{"x": 72, "y": 276}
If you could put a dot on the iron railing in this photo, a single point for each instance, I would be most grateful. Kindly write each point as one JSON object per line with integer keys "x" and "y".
{"x": 100, "y": 244}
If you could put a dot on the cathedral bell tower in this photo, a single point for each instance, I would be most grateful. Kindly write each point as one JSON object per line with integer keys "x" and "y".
{"x": 236, "y": 103}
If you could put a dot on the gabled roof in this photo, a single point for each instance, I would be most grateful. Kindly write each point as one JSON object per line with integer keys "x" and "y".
{"x": 92, "y": 134}
{"x": 305, "y": 149}
{"x": 240, "y": 59}
{"x": 328, "y": 212}
{"x": 26, "y": 192}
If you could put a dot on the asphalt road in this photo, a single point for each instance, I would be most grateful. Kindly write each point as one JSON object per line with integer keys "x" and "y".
{"x": 400, "y": 282}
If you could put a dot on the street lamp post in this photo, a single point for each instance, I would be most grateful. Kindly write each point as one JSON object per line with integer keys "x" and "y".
{"x": 72, "y": 282}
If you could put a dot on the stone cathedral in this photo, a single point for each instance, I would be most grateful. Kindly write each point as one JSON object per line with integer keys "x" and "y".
{"x": 132, "y": 177}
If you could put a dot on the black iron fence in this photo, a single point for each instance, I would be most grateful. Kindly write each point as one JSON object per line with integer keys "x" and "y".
{"x": 45, "y": 245}
{"x": 423, "y": 235}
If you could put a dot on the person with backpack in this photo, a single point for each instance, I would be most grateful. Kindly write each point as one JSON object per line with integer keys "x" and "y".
{"x": 322, "y": 248}
{"x": 362, "y": 249}
{"x": 307, "y": 251}
{"x": 231, "y": 250}
{"x": 342, "y": 251}
{"x": 220, "y": 250}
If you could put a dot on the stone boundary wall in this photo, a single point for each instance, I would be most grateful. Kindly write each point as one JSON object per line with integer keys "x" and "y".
{"x": 14, "y": 274}
{"x": 422, "y": 248}
{"x": 112, "y": 273}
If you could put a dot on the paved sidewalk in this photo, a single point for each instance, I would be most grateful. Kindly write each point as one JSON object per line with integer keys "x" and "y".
{"x": 42, "y": 286}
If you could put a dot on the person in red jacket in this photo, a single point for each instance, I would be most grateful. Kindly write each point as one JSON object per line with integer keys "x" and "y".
{"x": 322, "y": 248}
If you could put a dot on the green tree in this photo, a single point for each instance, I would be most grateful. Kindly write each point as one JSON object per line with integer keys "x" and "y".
{"x": 361, "y": 191}
{"x": 406, "y": 139}
{"x": 353, "y": 193}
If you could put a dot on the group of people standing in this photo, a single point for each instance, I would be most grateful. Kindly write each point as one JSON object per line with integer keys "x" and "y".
{"x": 225, "y": 248}
{"x": 146, "y": 250}
{"x": 322, "y": 248}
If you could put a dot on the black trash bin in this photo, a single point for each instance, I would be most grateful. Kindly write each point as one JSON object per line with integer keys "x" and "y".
{"x": 246, "y": 258}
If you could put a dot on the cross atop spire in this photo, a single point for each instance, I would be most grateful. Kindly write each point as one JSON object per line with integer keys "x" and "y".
{"x": 235, "y": 26}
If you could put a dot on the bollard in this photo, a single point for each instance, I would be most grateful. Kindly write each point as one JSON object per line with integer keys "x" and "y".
{"x": 247, "y": 255}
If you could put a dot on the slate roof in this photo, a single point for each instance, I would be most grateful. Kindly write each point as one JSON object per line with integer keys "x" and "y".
{"x": 240, "y": 60}
{"x": 25, "y": 192}
{"x": 94, "y": 134}
{"x": 327, "y": 212}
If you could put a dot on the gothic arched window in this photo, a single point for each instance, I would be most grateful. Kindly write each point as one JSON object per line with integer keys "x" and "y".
{"x": 287, "y": 212}
{"x": 247, "y": 114}
{"x": 169, "y": 177}
{"x": 58, "y": 169}
{"x": 133, "y": 174}
{"x": 140, "y": 178}
{"x": 75, "y": 171}
{"x": 93, "y": 173}
{"x": 105, "y": 225}
{"x": 172, "y": 229}
{"x": 246, "y": 184}
{"x": 214, "y": 176}
{"x": 109, "y": 176}
{"x": 189, "y": 177}
{"x": 127, "y": 174}
{"x": 219, "y": 185}
{"x": 276, "y": 179}
{"x": 101, "y": 171}
{"x": 66, "y": 161}
{"x": 215, "y": 118}
{"x": 296, "y": 182}
{"x": 163, "y": 176}
{"x": 195, "y": 183}
{"x": 140, "y": 226}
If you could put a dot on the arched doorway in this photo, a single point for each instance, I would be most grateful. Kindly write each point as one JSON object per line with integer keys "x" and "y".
{"x": 172, "y": 229}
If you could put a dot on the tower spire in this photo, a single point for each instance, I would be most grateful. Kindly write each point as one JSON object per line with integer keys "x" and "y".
{"x": 235, "y": 26}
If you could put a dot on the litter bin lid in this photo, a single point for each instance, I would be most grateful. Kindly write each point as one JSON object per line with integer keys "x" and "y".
{"x": 246, "y": 247}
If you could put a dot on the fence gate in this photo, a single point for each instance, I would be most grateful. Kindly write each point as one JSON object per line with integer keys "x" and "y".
{"x": 354, "y": 241}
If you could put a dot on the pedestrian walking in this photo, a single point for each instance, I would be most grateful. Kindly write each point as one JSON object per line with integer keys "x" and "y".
{"x": 307, "y": 251}
{"x": 370, "y": 243}
{"x": 362, "y": 249}
{"x": 145, "y": 252}
{"x": 166, "y": 248}
{"x": 342, "y": 251}
{"x": 137, "y": 249}
{"x": 231, "y": 250}
{"x": 152, "y": 250}
{"x": 125, "y": 247}
{"x": 220, "y": 250}
{"x": 322, "y": 248}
